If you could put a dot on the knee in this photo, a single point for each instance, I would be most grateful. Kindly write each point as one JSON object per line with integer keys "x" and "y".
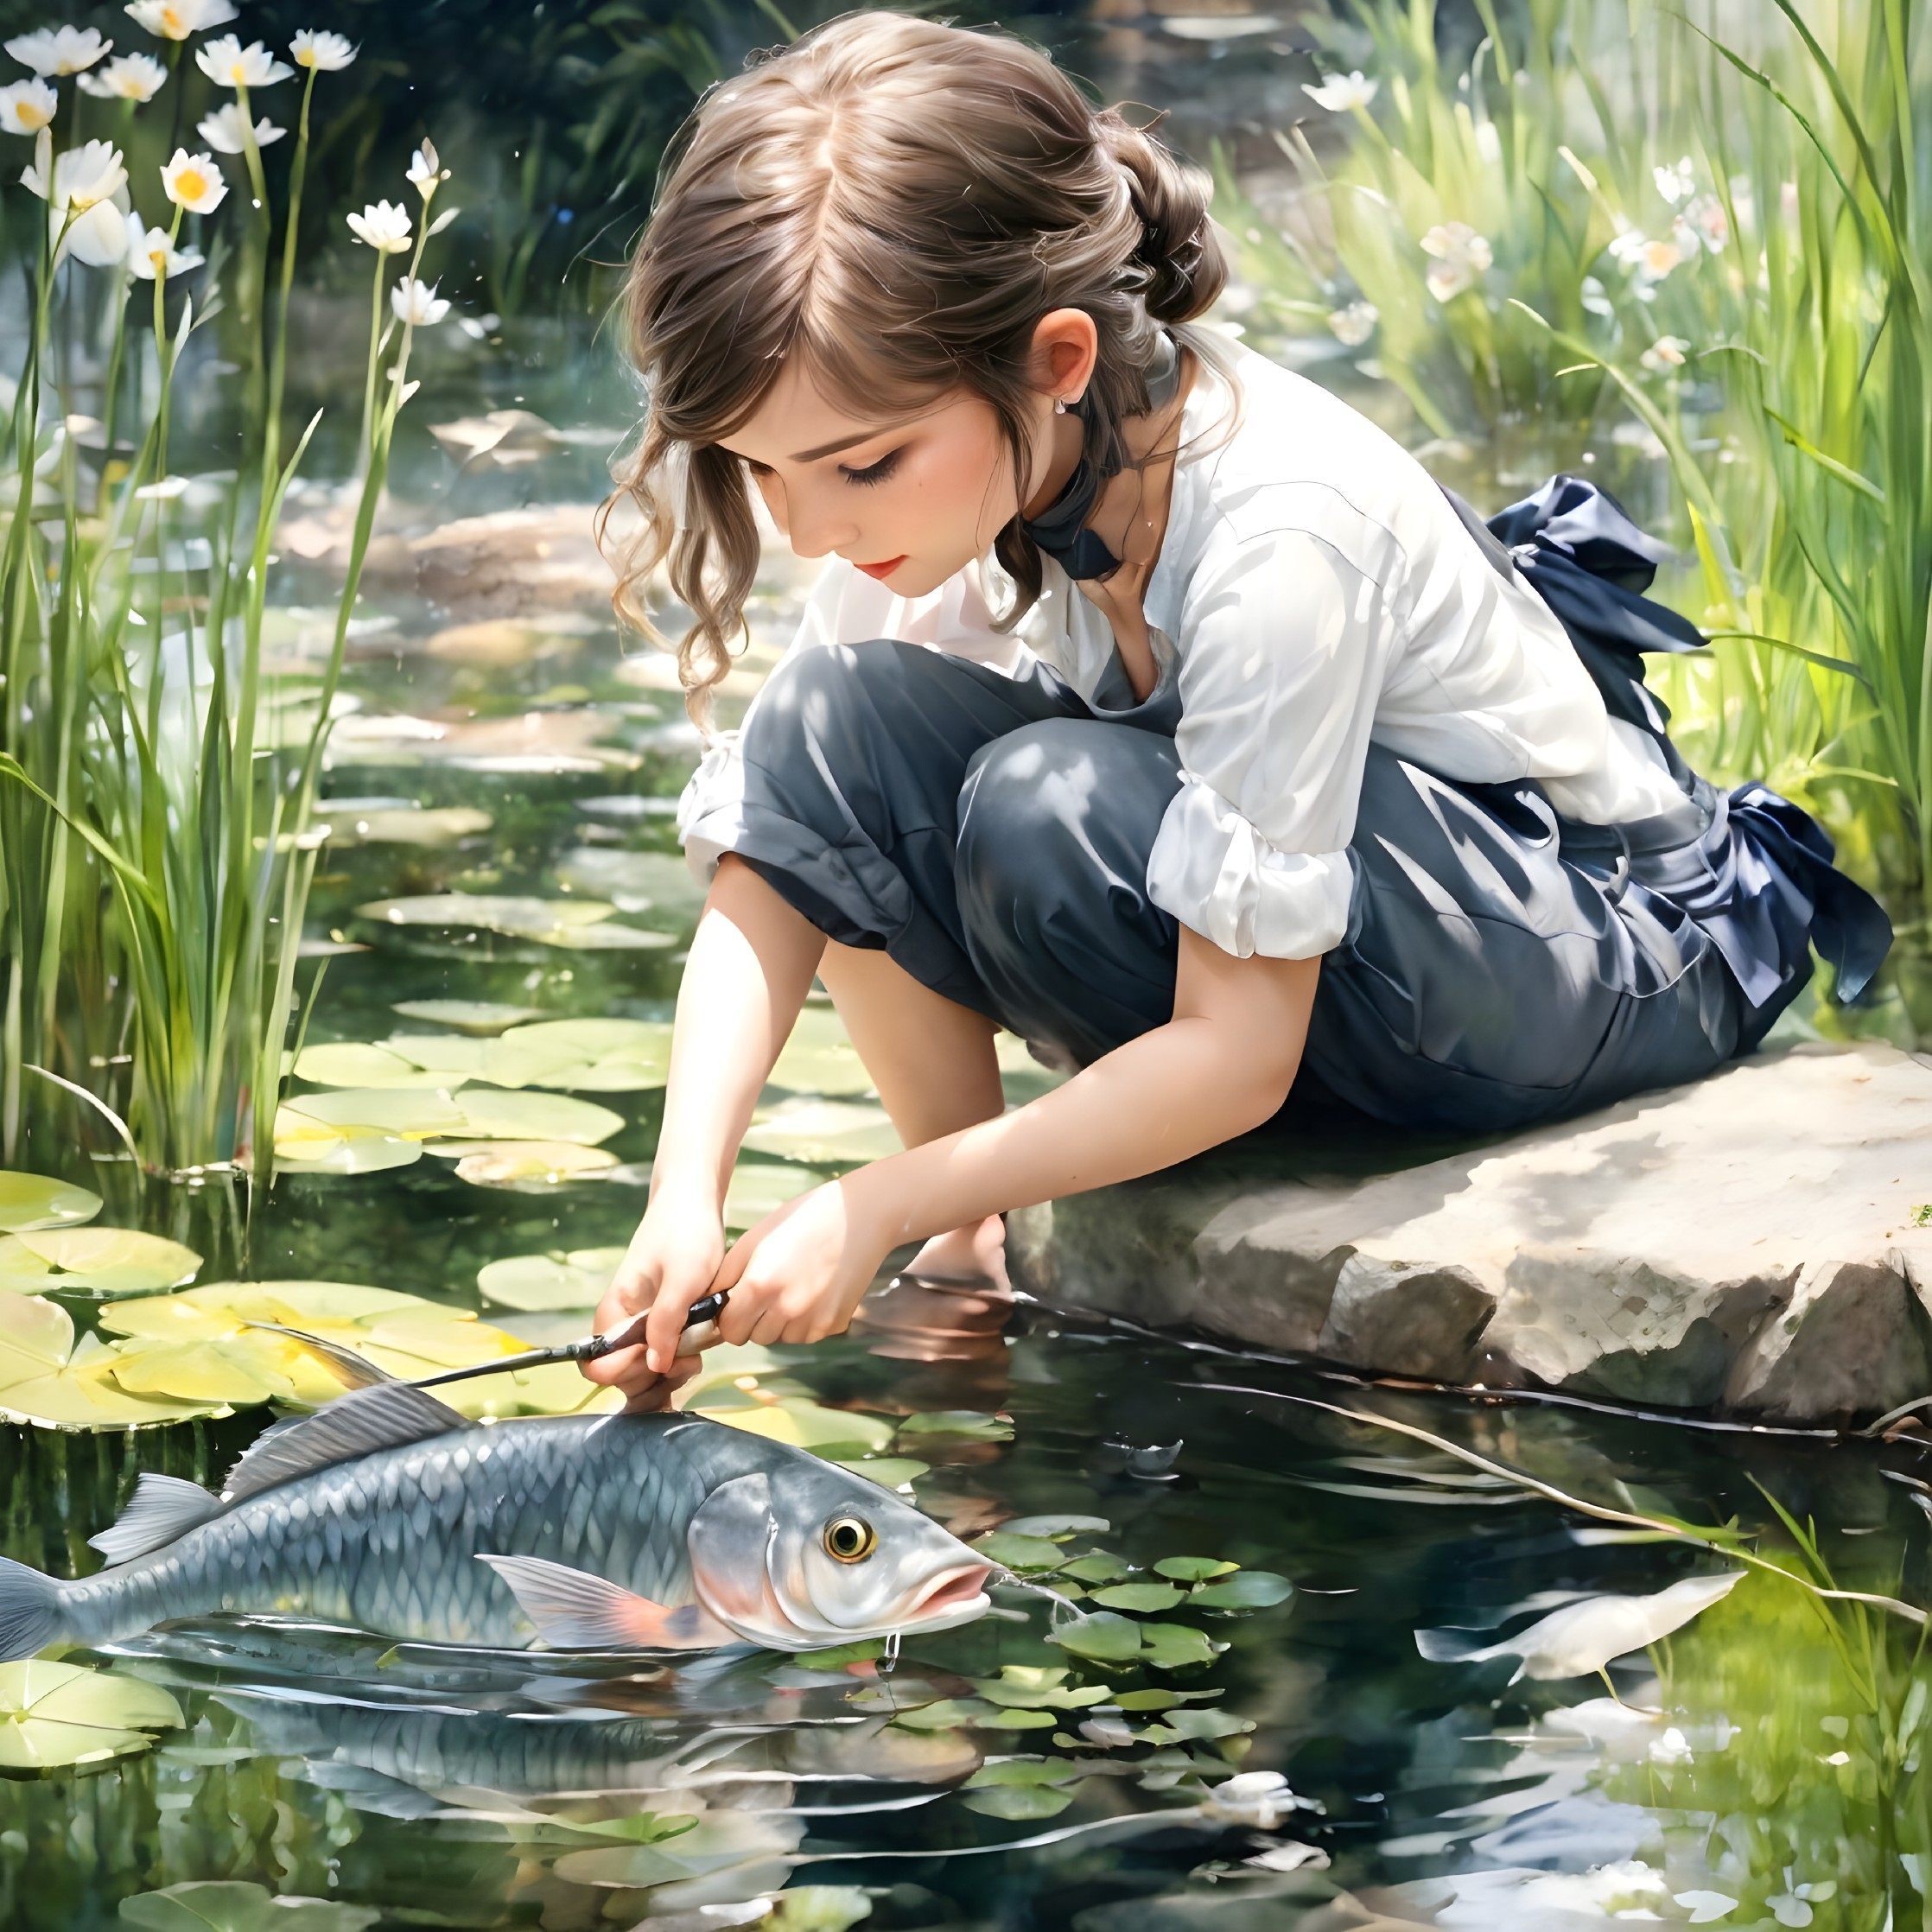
{"x": 827, "y": 690}
{"x": 1021, "y": 814}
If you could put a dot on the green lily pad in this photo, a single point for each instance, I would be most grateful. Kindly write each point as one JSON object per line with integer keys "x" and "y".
{"x": 1104, "y": 1636}
{"x": 1057, "y": 1527}
{"x": 1161, "y": 1699}
{"x": 659, "y": 882}
{"x": 761, "y": 1187}
{"x": 1175, "y": 1646}
{"x": 818, "y": 1058}
{"x": 1019, "y": 1553}
{"x": 31, "y": 1201}
{"x": 408, "y": 1114}
{"x": 1097, "y": 1566}
{"x": 1193, "y": 1569}
{"x": 54, "y": 1716}
{"x": 550, "y": 1283}
{"x": 1019, "y": 1773}
{"x": 347, "y": 1062}
{"x": 481, "y": 1017}
{"x": 308, "y": 1146}
{"x": 836, "y": 1657}
{"x": 488, "y": 1114}
{"x": 971, "y": 1424}
{"x": 942, "y": 1715}
{"x": 530, "y": 1165}
{"x": 1019, "y": 1716}
{"x": 1197, "y": 1726}
{"x": 234, "y": 1905}
{"x": 835, "y": 1133}
{"x": 1018, "y": 1801}
{"x": 47, "y": 1377}
{"x": 431, "y": 826}
{"x": 802, "y": 1424}
{"x": 104, "y": 1260}
{"x": 1139, "y": 1596}
{"x": 1245, "y": 1590}
{"x": 1030, "y": 1687}
{"x": 522, "y": 918}
{"x": 207, "y": 1330}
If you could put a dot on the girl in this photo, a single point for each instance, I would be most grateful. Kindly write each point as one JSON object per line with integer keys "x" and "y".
{"x": 1152, "y": 703}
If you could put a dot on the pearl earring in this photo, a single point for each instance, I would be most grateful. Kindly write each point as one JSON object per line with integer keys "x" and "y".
{"x": 1060, "y": 405}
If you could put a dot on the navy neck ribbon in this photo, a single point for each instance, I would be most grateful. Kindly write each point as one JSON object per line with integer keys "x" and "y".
{"x": 1060, "y": 530}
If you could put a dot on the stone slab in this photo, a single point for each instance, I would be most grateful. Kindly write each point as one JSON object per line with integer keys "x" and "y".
{"x": 1748, "y": 1245}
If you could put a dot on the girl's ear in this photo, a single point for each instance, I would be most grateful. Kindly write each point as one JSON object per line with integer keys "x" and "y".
{"x": 1066, "y": 347}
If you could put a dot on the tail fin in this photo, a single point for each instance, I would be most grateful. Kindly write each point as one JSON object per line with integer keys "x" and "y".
{"x": 30, "y": 1611}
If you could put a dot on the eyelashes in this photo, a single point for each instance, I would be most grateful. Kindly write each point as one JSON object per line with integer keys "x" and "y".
{"x": 876, "y": 474}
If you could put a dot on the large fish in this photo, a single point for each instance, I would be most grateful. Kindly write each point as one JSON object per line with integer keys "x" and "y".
{"x": 389, "y": 1512}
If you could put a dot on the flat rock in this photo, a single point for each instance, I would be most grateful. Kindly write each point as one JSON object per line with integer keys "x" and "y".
{"x": 1749, "y": 1245}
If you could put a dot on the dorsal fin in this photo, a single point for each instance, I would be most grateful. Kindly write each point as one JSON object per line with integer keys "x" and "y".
{"x": 164, "y": 1507}
{"x": 385, "y": 1416}
{"x": 351, "y": 1369}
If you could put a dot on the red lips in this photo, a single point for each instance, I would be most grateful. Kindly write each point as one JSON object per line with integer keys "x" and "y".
{"x": 881, "y": 571}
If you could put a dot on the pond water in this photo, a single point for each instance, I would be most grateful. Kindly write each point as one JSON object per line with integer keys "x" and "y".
{"x": 1762, "y": 1768}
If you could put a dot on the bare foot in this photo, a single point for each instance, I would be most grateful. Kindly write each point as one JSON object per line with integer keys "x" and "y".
{"x": 974, "y": 1255}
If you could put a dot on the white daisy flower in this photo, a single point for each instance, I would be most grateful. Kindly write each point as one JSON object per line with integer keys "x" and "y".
{"x": 225, "y": 130}
{"x": 1339, "y": 92}
{"x": 194, "y": 183}
{"x": 148, "y": 253}
{"x": 417, "y": 303}
{"x": 126, "y": 77}
{"x": 229, "y": 64}
{"x": 58, "y": 49}
{"x": 326, "y": 53}
{"x": 177, "y": 20}
{"x": 79, "y": 178}
{"x": 28, "y": 106}
{"x": 1461, "y": 256}
{"x": 384, "y": 226}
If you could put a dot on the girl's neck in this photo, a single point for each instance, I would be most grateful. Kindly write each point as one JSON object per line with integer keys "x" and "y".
{"x": 1142, "y": 435}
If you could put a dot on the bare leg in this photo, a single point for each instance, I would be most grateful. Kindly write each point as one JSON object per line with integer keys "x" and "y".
{"x": 932, "y": 1062}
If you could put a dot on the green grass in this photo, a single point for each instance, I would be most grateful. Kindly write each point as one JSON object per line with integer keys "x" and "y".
{"x": 157, "y": 785}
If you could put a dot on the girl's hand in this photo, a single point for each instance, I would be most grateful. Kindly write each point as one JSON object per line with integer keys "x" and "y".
{"x": 800, "y": 1274}
{"x": 671, "y": 1262}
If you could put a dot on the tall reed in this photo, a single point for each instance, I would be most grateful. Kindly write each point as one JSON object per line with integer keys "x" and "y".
{"x": 157, "y": 842}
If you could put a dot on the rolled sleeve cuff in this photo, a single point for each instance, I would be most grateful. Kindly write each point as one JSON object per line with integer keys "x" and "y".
{"x": 1220, "y": 878}
{"x": 711, "y": 807}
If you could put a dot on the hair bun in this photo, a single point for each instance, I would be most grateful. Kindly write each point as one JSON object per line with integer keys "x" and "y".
{"x": 1185, "y": 266}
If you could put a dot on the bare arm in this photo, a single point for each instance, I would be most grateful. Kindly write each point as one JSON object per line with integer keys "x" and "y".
{"x": 1222, "y": 1063}
{"x": 751, "y": 965}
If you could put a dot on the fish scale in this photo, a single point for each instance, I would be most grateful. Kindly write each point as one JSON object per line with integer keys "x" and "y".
{"x": 406, "y": 1558}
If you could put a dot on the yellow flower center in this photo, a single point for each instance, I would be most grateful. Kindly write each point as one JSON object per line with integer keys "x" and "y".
{"x": 305, "y": 57}
{"x": 191, "y": 184}
{"x": 173, "y": 25}
{"x": 32, "y": 116}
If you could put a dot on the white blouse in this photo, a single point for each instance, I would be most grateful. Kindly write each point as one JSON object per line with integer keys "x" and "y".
{"x": 1315, "y": 593}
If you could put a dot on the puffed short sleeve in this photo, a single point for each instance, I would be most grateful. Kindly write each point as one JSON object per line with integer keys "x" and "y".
{"x": 1283, "y": 647}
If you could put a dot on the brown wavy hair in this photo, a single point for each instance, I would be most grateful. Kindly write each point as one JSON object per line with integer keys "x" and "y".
{"x": 901, "y": 202}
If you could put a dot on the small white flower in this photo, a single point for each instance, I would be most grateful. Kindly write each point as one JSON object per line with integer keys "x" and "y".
{"x": 194, "y": 183}
{"x": 28, "y": 106}
{"x": 426, "y": 169}
{"x": 177, "y": 20}
{"x": 1673, "y": 1748}
{"x": 126, "y": 77}
{"x": 1354, "y": 324}
{"x": 1666, "y": 353}
{"x": 1290, "y": 1857}
{"x": 384, "y": 226}
{"x": 1341, "y": 91}
{"x": 1646, "y": 262}
{"x": 229, "y": 64}
{"x": 1707, "y": 1908}
{"x": 96, "y": 234}
{"x": 1594, "y": 299}
{"x": 1675, "y": 184}
{"x": 326, "y": 53}
{"x": 225, "y": 130}
{"x": 1705, "y": 218}
{"x": 417, "y": 303}
{"x": 58, "y": 49}
{"x": 148, "y": 253}
{"x": 81, "y": 176}
{"x": 1461, "y": 256}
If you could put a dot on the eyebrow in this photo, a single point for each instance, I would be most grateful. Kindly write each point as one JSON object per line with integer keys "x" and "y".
{"x": 847, "y": 442}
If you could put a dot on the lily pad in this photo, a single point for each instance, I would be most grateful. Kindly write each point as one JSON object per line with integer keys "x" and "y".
{"x": 347, "y": 1062}
{"x": 482, "y": 1017}
{"x": 492, "y": 1114}
{"x": 1058, "y": 1527}
{"x": 234, "y": 1905}
{"x": 1018, "y": 1801}
{"x": 971, "y": 1425}
{"x": 802, "y": 1424}
{"x": 430, "y": 826}
{"x": 31, "y": 1201}
{"x": 1104, "y": 1636}
{"x": 1028, "y": 1687}
{"x": 550, "y": 1283}
{"x": 659, "y": 882}
{"x": 488, "y": 912}
{"x": 1097, "y": 1566}
{"x": 309, "y": 1146}
{"x": 838, "y": 1132}
{"x": 1020, "y": 1552}
{"x": 55, "y": 1716}
{"x": 47, "y": 1377}
{"x": 819, "y": 1059}
{"x": 890, "y": 1472}
{"x": 762, "y": 1187}
{"x": 1139, "y": 1597}
{"x": 1245, "y": 1590}
{"x": 105, "y": 1261}
{"x": 199, "y": 1339}
{"x": 1175, "y": 1646}
{"x": 526, "y": 1163}
{"x": 406, "y": 1114}
{"x": 1193, "y": 1569}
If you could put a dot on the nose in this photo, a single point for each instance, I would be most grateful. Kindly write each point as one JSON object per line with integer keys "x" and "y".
{"x": 817, "y": 522}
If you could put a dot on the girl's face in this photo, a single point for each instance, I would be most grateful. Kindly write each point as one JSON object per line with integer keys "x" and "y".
{"x": 910, "y": 500}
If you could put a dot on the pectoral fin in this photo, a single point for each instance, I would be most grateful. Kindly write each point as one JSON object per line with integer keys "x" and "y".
{"x": 574, "y": 1610}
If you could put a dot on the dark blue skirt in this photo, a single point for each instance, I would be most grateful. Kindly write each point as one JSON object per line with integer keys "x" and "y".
{"x": 1502, "y": 965}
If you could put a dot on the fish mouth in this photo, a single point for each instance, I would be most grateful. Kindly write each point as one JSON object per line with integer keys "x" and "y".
{"x": 951, "y": 1593}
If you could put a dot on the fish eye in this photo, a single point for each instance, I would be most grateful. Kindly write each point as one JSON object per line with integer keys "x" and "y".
{"x": 851, "y": 1538}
